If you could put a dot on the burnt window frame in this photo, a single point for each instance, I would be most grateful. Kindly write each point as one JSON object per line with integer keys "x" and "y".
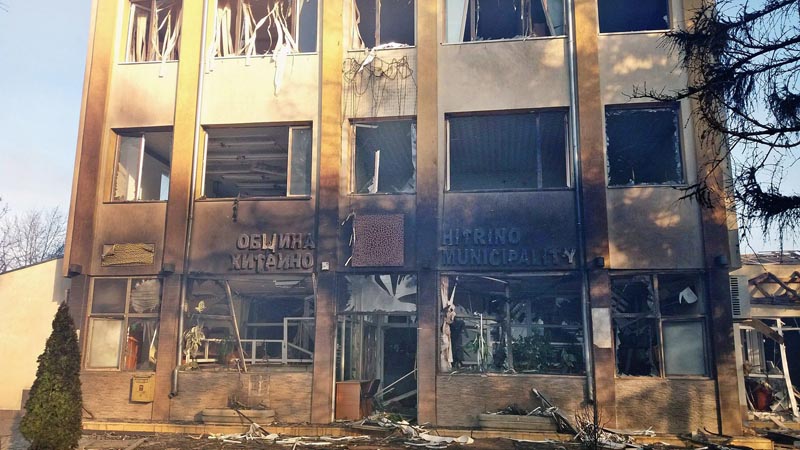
{"x": 376, "y": 26}
{"x": 675, "y": 108}
{"x": 446, "y": 278}
{"x": 660, "y": 318}
{"x": 125, "y": 317}
{"x": 354, "y": 125}
{"x": 129, "y": 54}
{"x": 568, "y": 158}
{"x": 470, "y": 25}
{"x": 234, "y": 33}
{"x": 117, "y": 135}
{"x": 670, "y": 24}
{"x": 310, "y": 163}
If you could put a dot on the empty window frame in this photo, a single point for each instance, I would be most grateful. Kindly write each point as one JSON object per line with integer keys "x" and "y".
{"x": 268, "y": 161}
{"x": 508, "y": 151}
{"x": 659, "y": 325}
{"x": 272, "y": 319}
{"x": 623, "y": 15}
{"x": 643, "y": 145}
{"x": 384, "y": 157}
{"x": 482, "y": 20}
{"x": 382, "y": 22}
{"x": 258, "y": 27}
{"x": 524, "y": 324}
{"x": 142, "y": 165}
{"x": 123, "y": 324}
{"x": 154, "y": 30}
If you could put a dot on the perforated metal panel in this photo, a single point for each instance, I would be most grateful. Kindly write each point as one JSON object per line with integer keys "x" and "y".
{"x": 379, "y": 240}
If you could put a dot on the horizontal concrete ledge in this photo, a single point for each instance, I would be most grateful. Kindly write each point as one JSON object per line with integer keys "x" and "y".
{"x": 754, "y": 442}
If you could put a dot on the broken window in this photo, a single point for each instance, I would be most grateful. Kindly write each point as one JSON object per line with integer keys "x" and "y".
{"x": 385, "y": 157}
{"x": 659, "y": 325}
{"x": 249, "y": 321}
{"x": 482, "y": 20}
{"x": 381, "y": 22}
{"x": 271, "y": 161}
{"x": 643, "y": 145}
{"x": 621, "y": 15}
{"x": 377, "y": 336}
{"x": 258, "y": 27}
{"x": 769, "y": 348}
{"x": 154, "y": 30}
{"x": 123, "y": 323}
{"x": 508, "y": 151}
{"x": 523, "y": 324}
{"x": 141, "y": 172}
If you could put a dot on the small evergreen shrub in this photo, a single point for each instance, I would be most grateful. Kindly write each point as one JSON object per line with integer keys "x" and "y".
{"x": 52, "y": 419}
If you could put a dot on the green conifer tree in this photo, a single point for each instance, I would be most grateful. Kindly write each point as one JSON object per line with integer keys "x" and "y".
{"x": 53, "y": 412}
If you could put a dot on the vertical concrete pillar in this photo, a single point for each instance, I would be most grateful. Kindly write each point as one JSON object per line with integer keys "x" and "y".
{"x": 180, "y": 197}
{"x": 717, "y": 247}
{"x": 88, "y": 176}
{"x": 167, "y": 351}
{"x": 427, "y": 206}
{"x": 595, "y": 226}
{"x": 330, "y": 161}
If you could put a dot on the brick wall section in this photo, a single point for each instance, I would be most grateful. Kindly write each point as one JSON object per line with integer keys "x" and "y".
{"x": 107, "y": 396}
{"x": 288, "y": 393}
{"x": 460, "y": 398}
{"x": 672, "y": 406}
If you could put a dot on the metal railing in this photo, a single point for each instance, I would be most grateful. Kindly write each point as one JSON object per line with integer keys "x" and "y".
{"x": 267, "y": 351}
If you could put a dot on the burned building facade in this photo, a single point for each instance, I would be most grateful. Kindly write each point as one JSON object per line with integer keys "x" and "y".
{"x": 433, "y": 205}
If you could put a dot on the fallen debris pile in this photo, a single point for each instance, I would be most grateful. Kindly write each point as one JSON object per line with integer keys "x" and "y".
{"x": 413, "y": 435}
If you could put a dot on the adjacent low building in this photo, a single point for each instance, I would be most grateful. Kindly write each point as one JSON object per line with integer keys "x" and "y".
{"x": 425, "y": 207}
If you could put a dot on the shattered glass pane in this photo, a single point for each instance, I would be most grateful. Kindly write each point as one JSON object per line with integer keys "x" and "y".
{"x": 684, "y": 350}
{"x": 109, "y": 295}
{"x": 633, "y": 295}
{"x": 145, "y": 296}
{"x": 126, "y": 178}
{"x": 384, "y": 157}
{"x": 637, "y": 346}
{"x": 143, "y": 164}
{"x": 680, "y": 295}
{"x": 141, "y": 344}
{"x": 373, "y": 293}
{"x": 621, "y": 15}
{"x": 104, "y": 336}
{"x": 307, "y": 39}
{"x": 643, "y": 146}
{"x": 397, "y": 21}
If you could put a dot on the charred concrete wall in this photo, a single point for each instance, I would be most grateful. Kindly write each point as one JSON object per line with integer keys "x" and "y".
{"x": 460, "y": 398}
{"x": 669, "y": 406}
{"x": 286, "y": 392}
{"x": 106, "y": 395}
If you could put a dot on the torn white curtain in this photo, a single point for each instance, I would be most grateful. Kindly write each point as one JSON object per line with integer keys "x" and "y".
{"x": 373, "y": 293}
{"x": 154, "y": 31}
{"x": 448, "y": 315}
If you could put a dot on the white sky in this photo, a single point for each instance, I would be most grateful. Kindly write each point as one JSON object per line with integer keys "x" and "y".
{"x": 42, "y": 60}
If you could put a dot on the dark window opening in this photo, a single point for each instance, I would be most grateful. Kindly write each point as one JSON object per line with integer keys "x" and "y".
{"x": 385, "y": 157}
{"x": 141, "y": 172}
{"x": 480, "y": 20}
{"x": 258, "y": 162}
{"x": 623, "y": 15}
{"x": 264, "y": 320}
{"x": 385, "y": 21}
{"x": 643, "y": 145}
{"x": 659, "y": 325}
{"x": 258, "y": 27}
{"x": 508, "y": 151}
